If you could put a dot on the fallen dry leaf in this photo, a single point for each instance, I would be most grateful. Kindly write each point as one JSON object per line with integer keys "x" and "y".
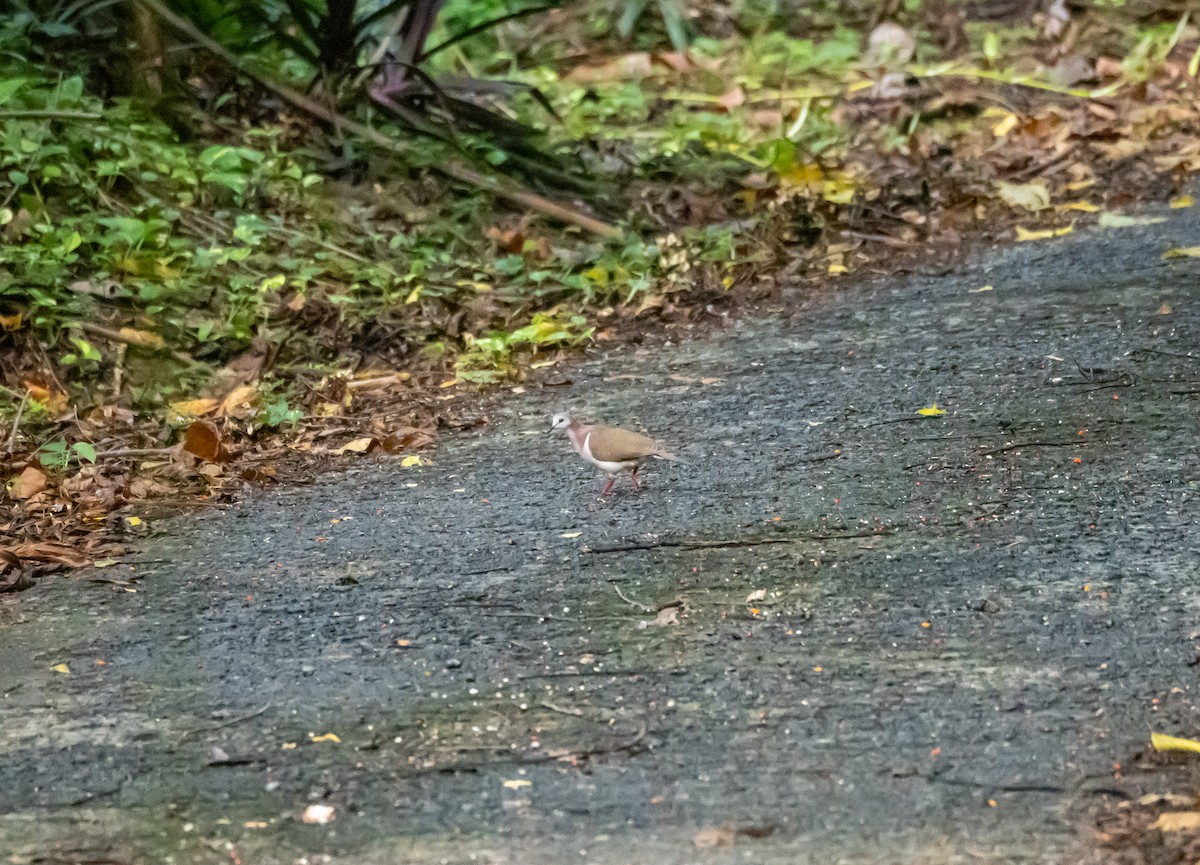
{"x": 1029, "y": 196}
{"x": 241, "y": 402}
{"x": 637, "y": 64}
{"x": 713, "y": 837}
{"x": 202, "y": 440}
{"x": 190, "y": 409}
{"x": 319, "y": 814}
{"x": 667, "y": 616}
{"x": 13, "y": 572}
{"x": 1177, "y": 821}
{"x": 143, "y": 338}
{"x": 1183, "y": 252}
{"x": 1163, "y": 742}
{"x": 931, "y": 411}
{"x": 756, "y": 595}
{"x": 360, "y": 446}
{"x": 1024, "y": 234}
{"x": 51, "y": 551}
{"x": 27, "y": 484}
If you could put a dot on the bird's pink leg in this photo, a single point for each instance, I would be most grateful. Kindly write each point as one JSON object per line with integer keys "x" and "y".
{"x": 612, "y": 479}
{"x": 633, "y": 477}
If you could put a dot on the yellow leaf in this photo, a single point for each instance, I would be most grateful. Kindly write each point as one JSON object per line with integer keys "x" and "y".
{"x": 288, "y": 746}
{"x": 931, "y": 411}
{"x": 569, "y": 535}
{"x": 11, "y": 322}
{"x": 144, "y": 338}
{"x": 133, "y": 522}
{"x": 409, "y": 462}
{"x": 981, "y": 289}
{"x": 241, "y": 401}
{"x": 61, "y": 668}
{"x": 1183, "y": 252}
{"x": 1182, "y": 201}
{"x": 516, "y": 783}
{"x": 327, "y": 737}
{"x": 191, "y": 408}
{"x": 838, "y": 268}
{"x": 414, "y": 295}
{"x": 1163, "y": 742}
{"x": 839, "y": 190}
{"x": 1177, "y": 821}
{"x": 450, "y": 383}
{"x": 1045, "y": 234}
{"x": 1030, "y": 196}
{"x": 1005, "y": 126}
{"x": 1084, "y": 206}
{"x": 358, "y": 446}
{"x": 1120, "y": 220}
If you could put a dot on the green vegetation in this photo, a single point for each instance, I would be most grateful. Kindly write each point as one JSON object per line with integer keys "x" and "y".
{"x": 288, "y": 194}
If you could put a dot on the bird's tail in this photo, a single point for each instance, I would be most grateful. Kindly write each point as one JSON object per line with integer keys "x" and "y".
{"x": 664, "y": 455}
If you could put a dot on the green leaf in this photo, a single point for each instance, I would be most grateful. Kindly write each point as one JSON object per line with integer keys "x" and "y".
{"x": 84, "y": 451}
{"x": 9, "y": 88}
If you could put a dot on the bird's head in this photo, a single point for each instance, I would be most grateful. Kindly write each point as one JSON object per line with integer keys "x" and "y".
{"x": 562, "y": 420}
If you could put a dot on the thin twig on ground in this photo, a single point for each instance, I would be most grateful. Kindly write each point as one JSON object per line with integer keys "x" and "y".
{"x": 12, "y": 435}
{"x": 213, "y": 727}
{"x": 632, "y": 602}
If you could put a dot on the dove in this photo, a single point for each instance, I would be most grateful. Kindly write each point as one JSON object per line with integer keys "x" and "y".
{"x": 610, "y": 449}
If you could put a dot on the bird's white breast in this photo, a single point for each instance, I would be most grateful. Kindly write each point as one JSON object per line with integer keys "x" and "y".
{"x": 585, "y": 451}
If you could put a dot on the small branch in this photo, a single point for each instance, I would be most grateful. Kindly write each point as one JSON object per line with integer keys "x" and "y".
{"x": 12, "y": 435}
{"x": 546, "y": 704}
{"x": 833, "y": 455}
{"x": 225, "y": 724}
{"x": 372, "y": 383}
{"x": 1003, "y": 788}
{"x": 135, "y": 452}
{"x": 48, "y": 114}
{"x": 1019, "y": 445}
{"x": 688, "y": 545}
{"x": 632, "y": 602}
{"x": 748, "y": 542}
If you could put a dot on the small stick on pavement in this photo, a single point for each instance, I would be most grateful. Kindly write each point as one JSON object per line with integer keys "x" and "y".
{"x": 228, "y": 723}
{"x": 632, "y": 602}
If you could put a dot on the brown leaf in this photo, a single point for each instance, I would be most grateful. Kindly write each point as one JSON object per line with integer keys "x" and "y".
{"x": 712, "y": 837}
{"x": 12, "y": 573}
{"x": 143, "y": 338}
{"x": 241, "y": 402}
{"x": 406, "y": 439}
{"x": 202, "y": 440}
{"x": 667, "y": 616}
{"x": 637, "y": 64}
{"x": 193, "y": 408}
{"x": 27, "y": 484}
{"x": 51, "y": 551}
{"x": 733, "y": 98}
{"x": 360, "y": 446}
{"x": 53, "y": 399}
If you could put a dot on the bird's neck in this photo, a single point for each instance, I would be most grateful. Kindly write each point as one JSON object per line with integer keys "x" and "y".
{"x": 577, "y": 433}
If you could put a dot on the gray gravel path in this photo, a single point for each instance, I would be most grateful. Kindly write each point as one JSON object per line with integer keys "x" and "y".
{"x": 841, "y": 632}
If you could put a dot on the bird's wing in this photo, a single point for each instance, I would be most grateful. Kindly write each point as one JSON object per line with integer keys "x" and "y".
{"x": 612, "y": 445}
